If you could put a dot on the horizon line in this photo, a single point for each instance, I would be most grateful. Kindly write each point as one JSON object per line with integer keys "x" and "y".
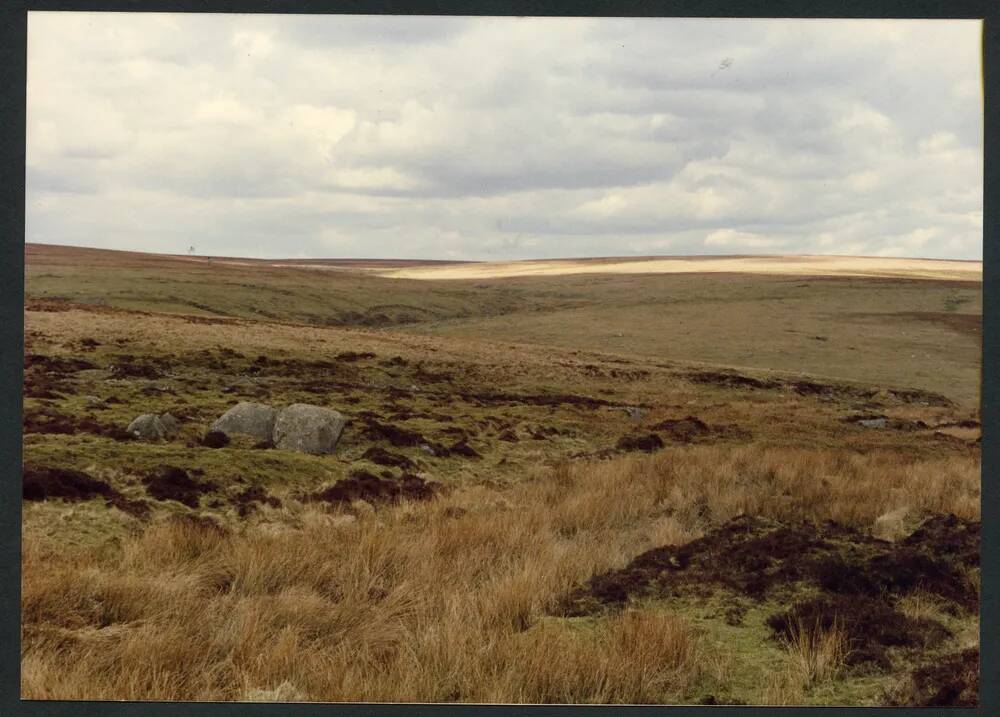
{"x": 635, "y": 257}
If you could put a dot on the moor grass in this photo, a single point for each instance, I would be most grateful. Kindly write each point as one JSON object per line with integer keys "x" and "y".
{"x": 751, "y": 391}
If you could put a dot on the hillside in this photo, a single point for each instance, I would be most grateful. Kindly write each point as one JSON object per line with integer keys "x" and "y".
{"x": 525, "y": 459}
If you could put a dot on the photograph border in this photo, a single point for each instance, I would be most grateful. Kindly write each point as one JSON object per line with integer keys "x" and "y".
{"x": 13, "y": 63}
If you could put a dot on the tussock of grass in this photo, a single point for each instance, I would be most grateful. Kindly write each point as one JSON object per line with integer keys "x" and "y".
{"x": 443, "y": 601}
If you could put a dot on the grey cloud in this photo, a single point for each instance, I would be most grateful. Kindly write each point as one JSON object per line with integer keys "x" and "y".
{"x": 503, "y": 137}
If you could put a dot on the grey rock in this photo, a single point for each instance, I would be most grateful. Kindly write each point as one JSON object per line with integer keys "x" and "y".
{"x": 169, "y": 422}
{"x": 634, "y": 412}
{"x": 93, "y": 401}
{"x": 309, "y": 429}
{"x": 873, "y": 423}
{"x": 151, "y": 426}
{"x": 247, "y": 418}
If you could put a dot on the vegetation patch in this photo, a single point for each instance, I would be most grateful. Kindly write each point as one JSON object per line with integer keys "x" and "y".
{"x": 380, "y": 456}
{"x": 215, "y": 439}
{"x": 46, "y": 419}
{"x": 75, "y": 486}
{"x": 731, "y": 379}
{"x": 648, "y": 443}
{"x": 64, "y": 483}
{"x": 172, "y": 483}
{"x": 834, "y": 576}
{"x": 752, "y": 556}
{"x": 870, "y": 624}
{"x": 362, "y": 485}
{"x": 248, "y": 500}
{"x": 949, "y": 681}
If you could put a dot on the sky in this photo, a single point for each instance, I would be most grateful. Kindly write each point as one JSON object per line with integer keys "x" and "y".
{"x": 503, "y": 138}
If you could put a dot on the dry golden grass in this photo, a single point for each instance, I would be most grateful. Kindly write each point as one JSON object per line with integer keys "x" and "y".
{"x": 817, "y": 654}
{"x": 442, "y": 601}
{"x": 794, "y": 265}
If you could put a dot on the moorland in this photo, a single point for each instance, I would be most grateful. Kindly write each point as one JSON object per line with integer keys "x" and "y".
{"x": 580, "y": 481}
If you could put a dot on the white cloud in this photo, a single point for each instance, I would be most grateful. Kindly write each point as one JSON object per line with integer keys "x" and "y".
{"x": 503, "y": 137}
{"x": 731, "y": 239}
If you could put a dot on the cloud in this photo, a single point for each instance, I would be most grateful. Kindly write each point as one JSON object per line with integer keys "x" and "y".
{"x": 730, "y": 239}
{"x": 452, "y": 137}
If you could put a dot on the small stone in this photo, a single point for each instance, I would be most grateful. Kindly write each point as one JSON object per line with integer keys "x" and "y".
{"x": 873, "y": 422}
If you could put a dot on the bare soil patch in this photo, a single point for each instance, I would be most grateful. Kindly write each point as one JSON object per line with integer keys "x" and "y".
{"x": 831, "y": 574}
{"x": 648, "y": 443}
{"x": 380, "y": 456}
{"x": 75, "y": 486}
{"x": 950, "y": 681}
{"x": 248, "y": 500}
{"x": 362, "y": 485}
{"x": 47, "y": 420}
{"x": 733, "y": 379}
{"x": 172, "y": 483}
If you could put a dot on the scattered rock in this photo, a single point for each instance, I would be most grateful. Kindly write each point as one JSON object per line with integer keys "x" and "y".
{"x": 247, "y": 418}
{"x": 309, "y": 429}
{"x": 635, "y": 413}
{"x": 873, "y": 422}
{"x": 150, "y": 426}
{"x": 170, "y": 423}
{"x": 876, "y": 421}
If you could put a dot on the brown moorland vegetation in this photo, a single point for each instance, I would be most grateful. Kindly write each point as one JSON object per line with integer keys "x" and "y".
{"x": 506, "y": 519}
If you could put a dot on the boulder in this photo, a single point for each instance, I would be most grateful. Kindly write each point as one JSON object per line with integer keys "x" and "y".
{"x": 250, "y": 419}
{"x": 170, "y": 423}
{"x": 309, "y": 429}
{"x": 873, "y": 422}
{"x": 152, "y": 426}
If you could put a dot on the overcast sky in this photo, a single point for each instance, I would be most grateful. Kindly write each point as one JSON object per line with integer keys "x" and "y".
{"x": 503, "y": 138}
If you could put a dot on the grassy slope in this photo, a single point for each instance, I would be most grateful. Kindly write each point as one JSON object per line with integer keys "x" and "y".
{"x": 904, "y": 333}
{"x": 520, "y": 338}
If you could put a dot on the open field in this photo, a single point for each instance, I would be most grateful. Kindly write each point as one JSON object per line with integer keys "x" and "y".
{"x": 624, "y": 483}
{"x": 781, "y": 265}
